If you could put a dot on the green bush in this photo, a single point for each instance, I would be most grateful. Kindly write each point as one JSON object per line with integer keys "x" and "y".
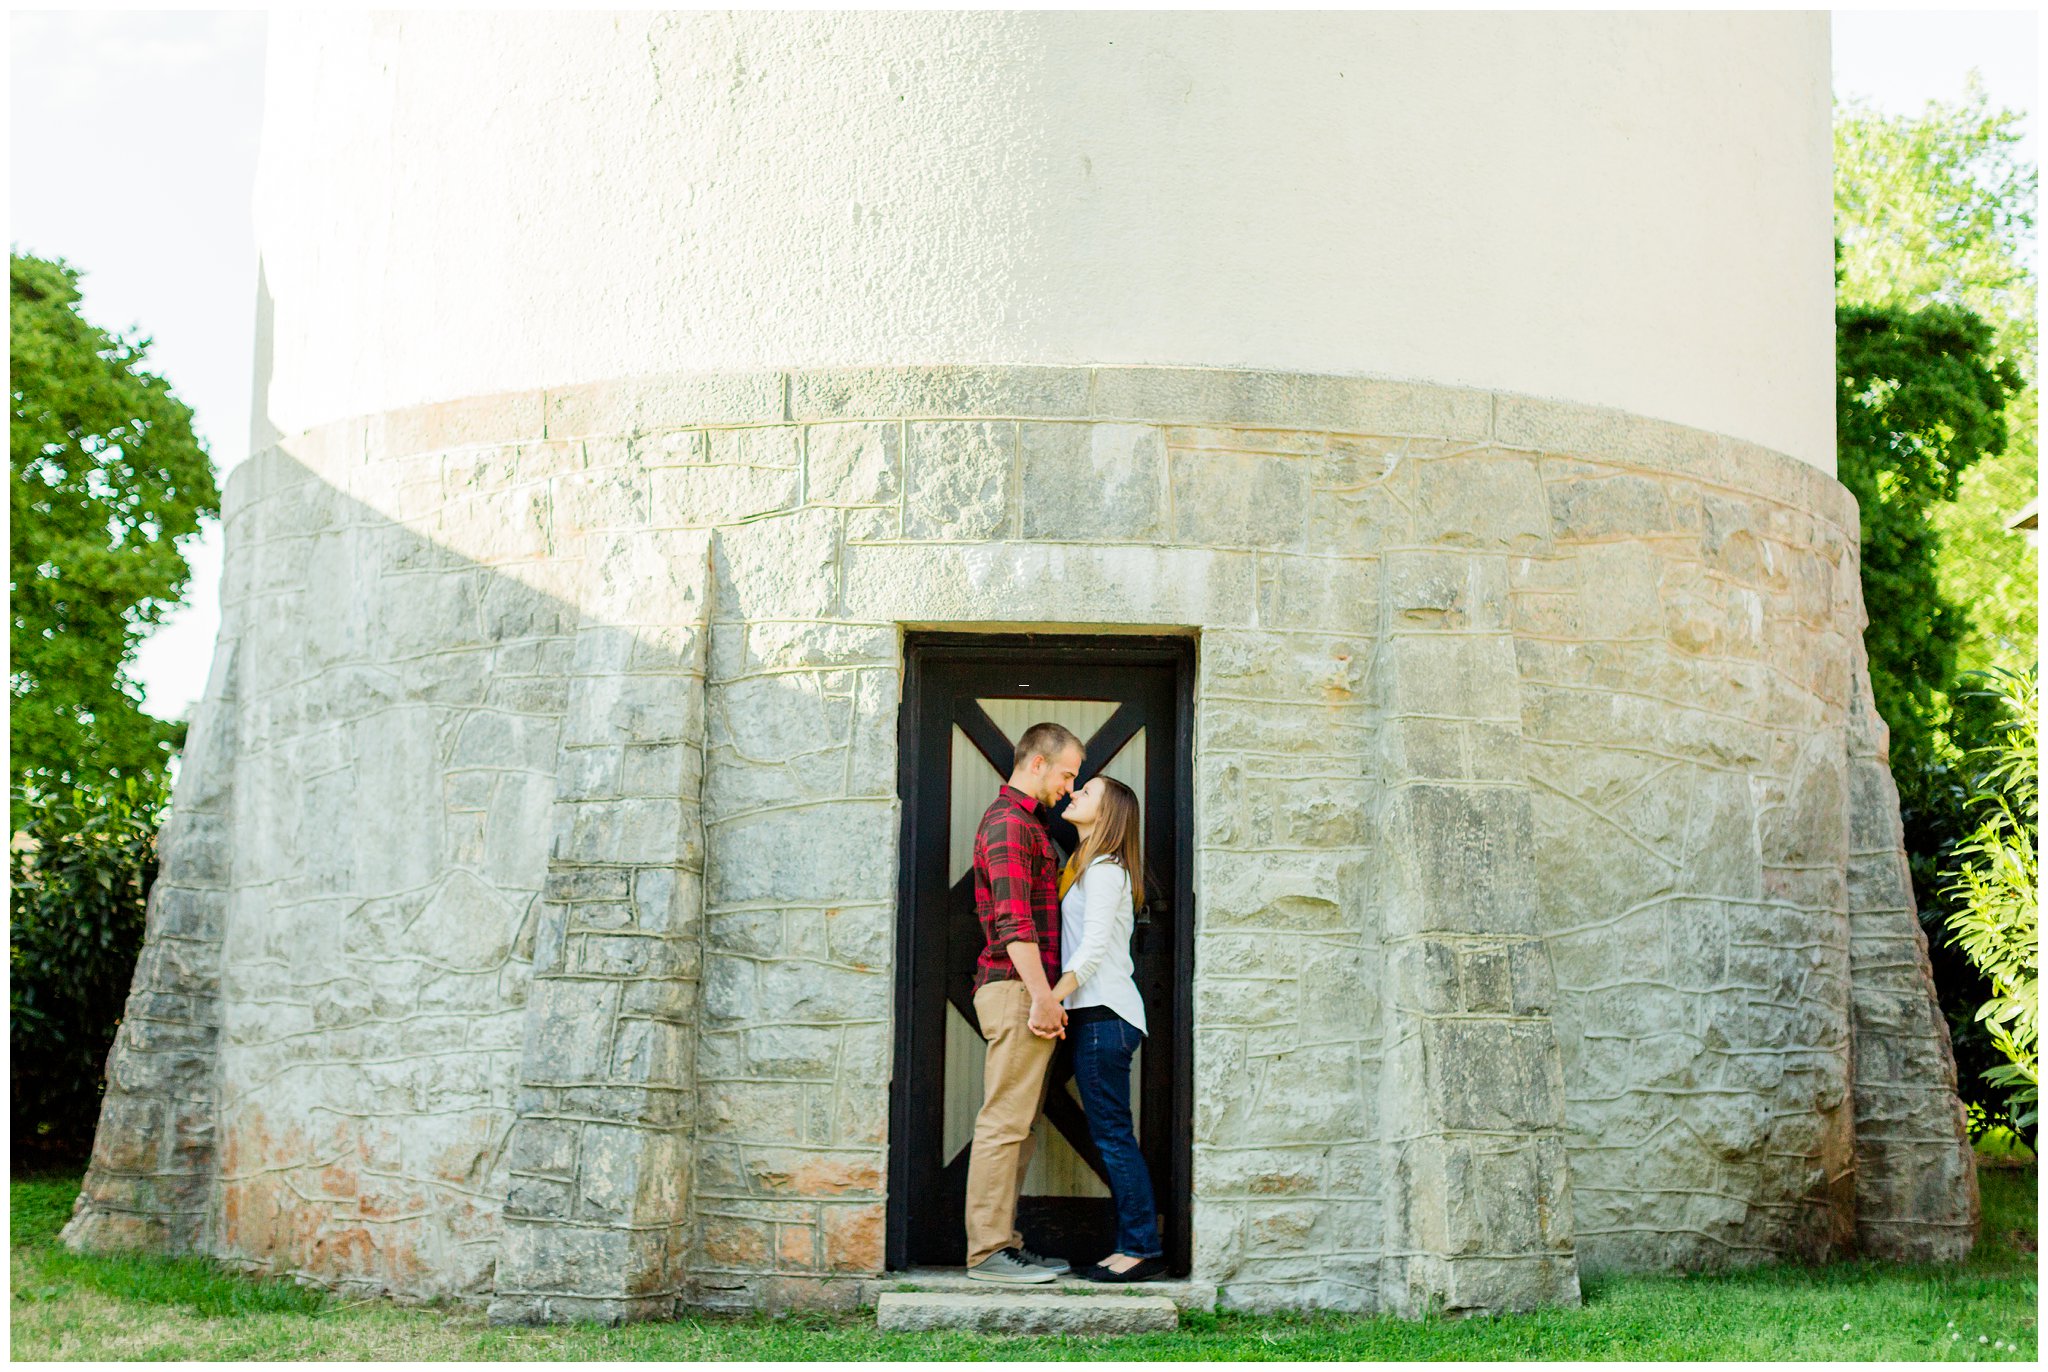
{"x": 81, "y": 865}
{"x": 1996, "y": 916}
{"x": 1934, "y": 801}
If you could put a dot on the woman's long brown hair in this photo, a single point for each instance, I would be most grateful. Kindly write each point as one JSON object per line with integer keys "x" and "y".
{"x": 1117, "y": 834}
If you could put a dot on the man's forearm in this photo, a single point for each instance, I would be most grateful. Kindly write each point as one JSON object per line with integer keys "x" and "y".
{"x": 1024, "y": 957}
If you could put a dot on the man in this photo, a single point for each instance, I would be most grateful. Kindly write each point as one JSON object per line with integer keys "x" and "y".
{"x": 1016, "y": 897}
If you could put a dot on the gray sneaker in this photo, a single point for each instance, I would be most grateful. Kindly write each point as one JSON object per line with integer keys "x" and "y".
{"x": 1056, "y": 1266}
{"x": 1007, "y": 1266}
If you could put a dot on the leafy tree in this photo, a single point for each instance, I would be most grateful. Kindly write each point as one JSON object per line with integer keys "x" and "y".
{"x": 1920, "y": 397}
{"x": 1996, "y": 920}
{"x": 1939, "y": 208}
{"x": 1985, "y": 565}
{"x": 108, "y": 479}
{"x": 81, "y": 865}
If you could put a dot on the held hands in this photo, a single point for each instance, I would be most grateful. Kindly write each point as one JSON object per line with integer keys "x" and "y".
{"x": 1048, "y": 1018}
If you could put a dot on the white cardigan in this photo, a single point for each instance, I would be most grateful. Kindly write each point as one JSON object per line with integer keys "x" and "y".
{"x": 1096, "y": 918}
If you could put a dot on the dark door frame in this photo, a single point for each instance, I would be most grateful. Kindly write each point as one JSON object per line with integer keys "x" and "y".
{"x": 924, "y": 649}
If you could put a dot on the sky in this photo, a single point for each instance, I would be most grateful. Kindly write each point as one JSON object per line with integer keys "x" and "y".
{"x": 156, "y": 210}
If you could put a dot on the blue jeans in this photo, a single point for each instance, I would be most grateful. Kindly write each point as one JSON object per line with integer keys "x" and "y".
{"x": 1102, "y": 1071}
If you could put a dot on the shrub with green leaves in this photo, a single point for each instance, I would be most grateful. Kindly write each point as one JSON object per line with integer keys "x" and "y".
{"x": 81, "y": 866}
{"x": 1996, "y": 919}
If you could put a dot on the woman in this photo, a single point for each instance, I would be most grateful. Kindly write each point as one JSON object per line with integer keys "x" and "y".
{"x": 1100, "y": 892}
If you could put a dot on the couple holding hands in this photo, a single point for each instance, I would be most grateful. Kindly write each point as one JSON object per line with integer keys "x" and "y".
{"x": 1056, "y": 962}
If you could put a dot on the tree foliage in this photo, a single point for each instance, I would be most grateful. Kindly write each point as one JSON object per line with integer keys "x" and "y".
{"x": 1939, "y": 208}
{"x": 81, "y": 866}
{"x": 1986, "y": 565}
{"x": 1934, "y": 213}
{"x": 108, "y": 478}
{"x": 1936, "y": 208}
{"x": 1920, "y": 398}
{"x": 1996, "y": 916}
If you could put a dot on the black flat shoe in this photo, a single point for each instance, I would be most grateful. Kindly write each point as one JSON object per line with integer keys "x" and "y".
{"x": 1147, "y": 1269}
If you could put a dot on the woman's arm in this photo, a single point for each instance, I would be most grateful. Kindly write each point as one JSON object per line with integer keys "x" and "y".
{"x": 1106, "y": 889}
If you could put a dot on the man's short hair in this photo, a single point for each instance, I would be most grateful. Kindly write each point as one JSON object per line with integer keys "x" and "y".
{"x": 1046, "y": 740}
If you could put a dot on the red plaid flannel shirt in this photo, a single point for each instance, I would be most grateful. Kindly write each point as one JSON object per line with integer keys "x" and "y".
{"x": 1016, "y": 888}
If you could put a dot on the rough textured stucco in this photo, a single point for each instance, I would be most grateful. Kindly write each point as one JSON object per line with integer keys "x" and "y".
{"x": 548, "y": 784}
{"x": 1619, "y": 209}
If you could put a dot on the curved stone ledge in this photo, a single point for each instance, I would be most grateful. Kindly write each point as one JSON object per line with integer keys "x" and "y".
{"x": 1158, "y": 395}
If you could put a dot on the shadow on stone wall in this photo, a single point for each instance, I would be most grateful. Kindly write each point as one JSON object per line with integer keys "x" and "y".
{"x": 390, "y": 835}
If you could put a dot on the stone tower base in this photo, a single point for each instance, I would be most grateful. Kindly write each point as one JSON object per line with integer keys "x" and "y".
{"x": 525, "y": 931}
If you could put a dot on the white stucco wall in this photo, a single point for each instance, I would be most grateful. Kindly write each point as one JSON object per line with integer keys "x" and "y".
{"x": 1629, "y": 210}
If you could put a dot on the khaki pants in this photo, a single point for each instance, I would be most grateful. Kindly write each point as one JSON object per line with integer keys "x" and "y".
{"x": 1013, "y": 1089}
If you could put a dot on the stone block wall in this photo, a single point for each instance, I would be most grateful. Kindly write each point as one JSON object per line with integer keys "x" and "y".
{"x": 1916, "y": 1175}
{"x": 597, "y": 1217}
{"x": 795, "y": 1040}
{"x": 1287, "y": 1035}
{"x": 150, "y": 1182}
{"x": 1473, "y": 1093}
{"x": 397, "y": 719}
{"x": 1538, "y": 851}
{"x": 1684, "y": 639}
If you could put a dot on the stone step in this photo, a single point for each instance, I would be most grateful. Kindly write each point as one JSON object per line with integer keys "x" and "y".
{"x": 1040, "y": 1311}
{"x": 1186, "y": 1295}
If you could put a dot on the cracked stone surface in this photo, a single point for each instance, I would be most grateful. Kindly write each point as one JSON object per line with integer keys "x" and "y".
{"x": 526, "y": 927}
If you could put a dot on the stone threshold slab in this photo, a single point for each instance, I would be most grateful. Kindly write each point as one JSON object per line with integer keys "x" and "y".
{"x": 1021, "y": 1312}
{"x": 1185, "y": 1295}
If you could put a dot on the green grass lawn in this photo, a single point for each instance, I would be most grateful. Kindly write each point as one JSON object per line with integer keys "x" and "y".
{"x": 67, "y": 1306}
